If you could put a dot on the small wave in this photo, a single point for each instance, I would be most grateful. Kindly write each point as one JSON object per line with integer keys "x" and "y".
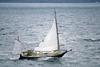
{"x": 1, "y": 29}
{"x": 14, "y": 58}
{"x": 5, "y": 51}
{"x": 8, "y": 59}
{"x": 3, "y": 34}
{"x": 52, "y": 59}
{"x": 4, "y": 59}
{"x": 98, "y": 33}
{"x": 3, "y": 54}
{"x": 44, "y": 58}
{"x": 92, "y": 40}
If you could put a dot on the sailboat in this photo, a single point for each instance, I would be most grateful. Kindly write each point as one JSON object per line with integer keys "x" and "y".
{"x": 48, "y": 48}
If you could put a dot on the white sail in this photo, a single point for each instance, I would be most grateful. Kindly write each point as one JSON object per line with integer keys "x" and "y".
{"x": 17, "y": 47}
{"x": 50, "y": 42}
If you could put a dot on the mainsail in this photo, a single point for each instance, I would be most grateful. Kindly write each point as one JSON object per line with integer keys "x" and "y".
{"x": 17, "y": 47}
{"x": 50, "y": 42}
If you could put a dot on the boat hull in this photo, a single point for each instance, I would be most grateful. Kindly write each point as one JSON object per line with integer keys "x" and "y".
{"x": 36, "y": 57}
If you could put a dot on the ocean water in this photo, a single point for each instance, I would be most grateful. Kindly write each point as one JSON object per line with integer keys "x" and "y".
{"x": 78, "y": 26}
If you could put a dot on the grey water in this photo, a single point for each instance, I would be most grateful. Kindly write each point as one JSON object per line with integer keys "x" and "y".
{"x": 78, "y": 26}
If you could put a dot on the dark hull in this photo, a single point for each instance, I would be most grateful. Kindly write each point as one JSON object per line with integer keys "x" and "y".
{"x": 56, "y": 55}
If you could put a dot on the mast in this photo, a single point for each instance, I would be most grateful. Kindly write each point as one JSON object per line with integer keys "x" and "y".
{"x": 57, "y": 30}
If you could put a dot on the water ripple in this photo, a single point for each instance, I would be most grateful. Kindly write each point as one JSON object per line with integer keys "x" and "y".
{"x": 92, "y": 40}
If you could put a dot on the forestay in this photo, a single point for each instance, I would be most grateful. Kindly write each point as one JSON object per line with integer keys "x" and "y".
{"x": 50, "y": 42}
{"x": 17, "y": 47}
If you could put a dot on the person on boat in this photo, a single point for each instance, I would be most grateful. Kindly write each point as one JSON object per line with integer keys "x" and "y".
{"x": 29, "y": 52}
